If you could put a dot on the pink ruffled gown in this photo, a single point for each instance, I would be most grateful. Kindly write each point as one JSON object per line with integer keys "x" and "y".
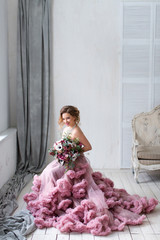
{"x": 81, "y": 200}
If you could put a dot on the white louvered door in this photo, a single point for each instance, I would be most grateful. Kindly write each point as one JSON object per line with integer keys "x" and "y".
{"x": 140, "y": 82}
{"x": 157, "y": 56}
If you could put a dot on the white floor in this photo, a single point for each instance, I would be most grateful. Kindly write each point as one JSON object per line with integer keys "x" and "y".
{"x": 150, "y": 230}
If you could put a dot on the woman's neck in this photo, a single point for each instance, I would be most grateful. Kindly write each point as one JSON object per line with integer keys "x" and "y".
{"x": 71, "y": 127}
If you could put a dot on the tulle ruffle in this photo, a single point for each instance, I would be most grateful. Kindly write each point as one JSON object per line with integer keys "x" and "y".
{"x": 83, "y": 201}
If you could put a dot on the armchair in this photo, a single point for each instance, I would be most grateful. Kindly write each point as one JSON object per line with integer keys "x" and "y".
{"x": 146, "y": 141}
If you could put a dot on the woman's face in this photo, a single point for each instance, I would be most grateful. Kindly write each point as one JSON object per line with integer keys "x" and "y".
{"x": 68, "y": 119}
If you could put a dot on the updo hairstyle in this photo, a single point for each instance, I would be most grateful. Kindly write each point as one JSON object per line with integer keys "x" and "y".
{"x": 73, "y": 111}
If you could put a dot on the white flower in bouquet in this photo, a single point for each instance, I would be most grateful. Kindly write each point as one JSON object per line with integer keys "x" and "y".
{"x": 58, "y": 146}
{"x": 74, "y": 156}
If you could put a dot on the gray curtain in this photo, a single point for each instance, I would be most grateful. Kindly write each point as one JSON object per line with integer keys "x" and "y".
{"x": 33, "y": 98}
{"x": 17, "y": 227}
{"x": 33, "y": 81}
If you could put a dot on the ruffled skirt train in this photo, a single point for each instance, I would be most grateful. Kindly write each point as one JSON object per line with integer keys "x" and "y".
{"x": 81, "y": 200}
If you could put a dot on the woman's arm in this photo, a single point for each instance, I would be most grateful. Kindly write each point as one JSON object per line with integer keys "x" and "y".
{"x": 77, "y": 133}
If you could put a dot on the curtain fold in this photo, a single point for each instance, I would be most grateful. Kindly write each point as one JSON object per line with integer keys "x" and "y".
{"x": 33, "y": 82}
{"x": 33, "y": 97}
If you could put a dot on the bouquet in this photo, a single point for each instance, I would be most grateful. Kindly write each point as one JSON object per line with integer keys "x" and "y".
{"x": 66, "y": 151}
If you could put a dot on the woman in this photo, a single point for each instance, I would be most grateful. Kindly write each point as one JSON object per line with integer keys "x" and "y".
{"x": 69, "y": 116}
{"x": 81, "y": 200}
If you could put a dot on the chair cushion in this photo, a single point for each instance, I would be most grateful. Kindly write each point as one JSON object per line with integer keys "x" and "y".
{"x": 149, "y": 162}
{"x": 148, "y": 152}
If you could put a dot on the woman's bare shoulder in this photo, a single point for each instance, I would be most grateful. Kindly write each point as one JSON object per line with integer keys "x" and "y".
{"x": 77, "y": 129}
{"x": 77, "y": 132}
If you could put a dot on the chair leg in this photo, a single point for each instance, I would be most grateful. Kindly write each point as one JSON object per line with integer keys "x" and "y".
{"x": 132, "y": 165}
{"x": 136, "y": 173}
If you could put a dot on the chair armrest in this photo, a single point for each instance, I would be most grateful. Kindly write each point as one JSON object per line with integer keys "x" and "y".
{"x": 135, "y": 142}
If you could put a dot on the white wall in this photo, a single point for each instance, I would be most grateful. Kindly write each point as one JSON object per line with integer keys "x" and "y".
{"x": 86, "y": 72}
{"x": 4, "y": 95}
{"x": 8, "y": 138}
{"x": 8, "y": 63}
{"x": 12, "y": 54}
